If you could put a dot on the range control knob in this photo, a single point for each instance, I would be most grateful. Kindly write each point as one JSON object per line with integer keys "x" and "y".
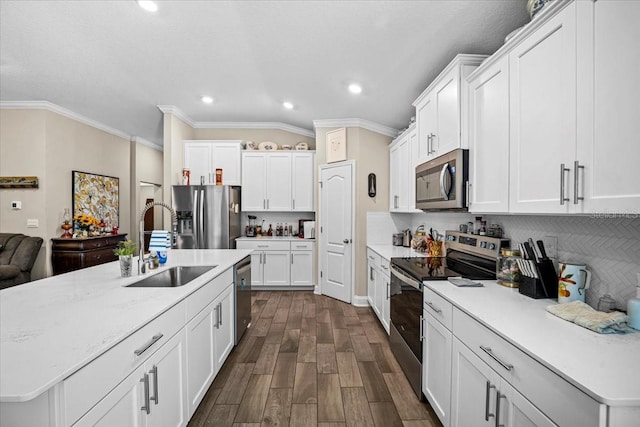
{"x": 492, "y": 246}
{"x": 483, "y": 245}
{"x": 451, "y": 238}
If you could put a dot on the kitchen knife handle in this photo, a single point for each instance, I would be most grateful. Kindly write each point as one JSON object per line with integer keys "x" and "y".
{"x": 576, "y": 182}
{"x": 562, "y": 171}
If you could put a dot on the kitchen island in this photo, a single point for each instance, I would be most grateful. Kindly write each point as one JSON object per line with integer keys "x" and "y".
{"x": 55, "y": 327}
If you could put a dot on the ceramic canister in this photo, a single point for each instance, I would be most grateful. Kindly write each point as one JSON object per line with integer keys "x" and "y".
{"x": 573, "y": 282}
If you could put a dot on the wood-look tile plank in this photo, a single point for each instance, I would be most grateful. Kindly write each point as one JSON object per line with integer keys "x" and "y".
{"x": 269, "y": 309}
{"x": 356, "y": 407}
{"x": 252, "y": 405}
{"x": 405, "y": 400}
{"x": 348, "y": 370}
{"x": 385, "y": 358}
{"x": 274, "y": 336}
{"x": 304, "y": 415}
{"x": 250, "y": 352}
{"x": 374, "y": 383}
{"x": 421, "y": 423}
{"x": 290, "y": 341}
{"x": 326, "y": 356}
{"x": 294, "y": 320}
{"x": 257, "y": 306}
{"x": 221, "y": 416}
{"x": 356, "y": 330}
{"x": 349, "y": 310}
{"x": 226, "y": 370}
{"x": 200, "y": 415}
{"x": 285, "y": 371}
{"x": 374, "y": 332}
{"x": 321, "y": 301}
{"x": 351, "y": 321}
{"x": 308, "y": 326}
{"x": 236, "y": 384}
{"x": 285, "y": 301}
{"x": 305, "y": 388}
{"x": 367, "y": 317}
{"x": 342, "y": 340}
{"x": 324, "y": 334}
{"x": 332, "y": 424}
{"x": 330, "y": 407}
{"x": 385, "y": 414}
{"x": 323, "y": 315}
{"x": 267, "y": 360}
{"x": 298, "y": 295}
{"x": 282, "y": 313}
{"x": 246, "y": 425}
{"x": 260, "y": 327}
{"x": 307, "y": 349}
{"x": 309, "y": 310}
{"x": 277, "y": 410}
{"x": 297, "y": 305}
{"x": 338, "y": 320}
{"x": 362, "y": 349}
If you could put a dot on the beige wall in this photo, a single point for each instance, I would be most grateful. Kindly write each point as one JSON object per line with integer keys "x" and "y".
{"x": 370, "y": 151}
{"x": 50, "y": 146}
{"x": 278, "y": 136}
{"x": 146, "y": 166}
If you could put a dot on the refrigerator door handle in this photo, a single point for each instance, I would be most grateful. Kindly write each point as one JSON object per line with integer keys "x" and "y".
{"x": 196, "y": 219}
{"x": 203, "y": 207}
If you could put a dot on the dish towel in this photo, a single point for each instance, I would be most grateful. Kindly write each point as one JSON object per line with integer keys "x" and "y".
{"x": 583, "y": 315}
{"x": 159, "y": 241}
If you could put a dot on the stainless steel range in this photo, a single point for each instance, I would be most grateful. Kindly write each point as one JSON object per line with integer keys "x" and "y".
{"x": 469, "y": 256}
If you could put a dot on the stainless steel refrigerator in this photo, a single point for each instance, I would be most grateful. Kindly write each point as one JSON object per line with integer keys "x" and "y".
{"x": 208, "y": 216}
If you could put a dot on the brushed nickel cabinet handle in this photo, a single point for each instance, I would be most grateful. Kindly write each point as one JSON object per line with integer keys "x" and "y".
{"x": 505, "y": 365}
{"x": 154, "y": 372}
{"x": 217, "y": 324}
{"x": 421, "y": 327}
{"x": 498, "y": 397}
{"x": 148, "y": 344}
{"x": 147, "y": 404}
{"x": 562, "y": 171}
{"x": 433, "y": 307}
{"x": 220, "y": 314}
{"x": 576, "y": 182}
{"x": 487, "y": 394}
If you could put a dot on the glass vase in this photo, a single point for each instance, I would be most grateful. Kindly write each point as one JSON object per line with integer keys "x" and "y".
{"x": 126, "y": 262}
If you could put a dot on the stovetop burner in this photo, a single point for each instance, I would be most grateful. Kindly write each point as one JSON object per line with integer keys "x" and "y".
{"x": 455, "y": 264}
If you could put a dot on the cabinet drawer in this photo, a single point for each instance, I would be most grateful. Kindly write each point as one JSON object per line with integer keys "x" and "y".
{"x": 89, "y": 385}
{"x": 207, "y": 293}
{"x": 383, "y": 265}
{"x": 438, "y": 307}
{"x": 373, "y": 258}
{"x": 546, "y": 390}
{"x": 100, "y": 256}
{"x": 301, "y": 246}
{"x": 264, "y": 245}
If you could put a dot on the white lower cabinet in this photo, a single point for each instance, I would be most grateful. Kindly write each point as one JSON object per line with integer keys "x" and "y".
{"x": 153, "y": 395}
{"x": 280, "y": 263}
{"x": 378, "y": 285}
{"x": 436, "y": 366}
{"x": 301, "y": 267}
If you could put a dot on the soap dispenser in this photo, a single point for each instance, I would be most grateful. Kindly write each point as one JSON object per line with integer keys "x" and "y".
{"x": 633, "y": 308}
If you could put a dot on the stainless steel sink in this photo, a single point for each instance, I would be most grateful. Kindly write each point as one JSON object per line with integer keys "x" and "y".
{"x": 172, "y": 277}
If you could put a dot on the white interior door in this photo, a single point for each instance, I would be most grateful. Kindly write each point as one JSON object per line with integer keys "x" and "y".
{"x": 336, "y": 237}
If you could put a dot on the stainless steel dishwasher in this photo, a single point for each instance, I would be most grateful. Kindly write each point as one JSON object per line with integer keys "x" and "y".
{"x": 242, "y": 284}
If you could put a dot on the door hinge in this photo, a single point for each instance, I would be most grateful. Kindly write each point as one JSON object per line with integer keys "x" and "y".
{"x": 321, "y": 274}
{"x": 320, "y": 184}
{"x": 320, "y": 229}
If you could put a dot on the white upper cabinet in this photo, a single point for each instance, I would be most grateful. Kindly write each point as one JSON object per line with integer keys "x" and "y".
{"x": 441, "y": 109}
{"x": 254, "y": 183}
{"x": 489, "y": 139}
{"x": 608, "y": 118}
{"x": 543, "y": 116}
{"x": 202, "y": 158}
{"x": 279, "y": 182}
{"x": 402, "y": 157}
{"x": 302, "y": 164}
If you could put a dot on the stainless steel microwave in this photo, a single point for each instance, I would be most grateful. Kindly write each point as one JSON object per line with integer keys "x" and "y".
{"x": 442, "y": 183}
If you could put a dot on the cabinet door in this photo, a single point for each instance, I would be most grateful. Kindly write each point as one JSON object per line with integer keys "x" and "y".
{"x": 516, "y": 411}
{"x": 228, "y": 157}
{"x": 279, "y": 182}
{"x": 197, "y": 158}
{"x": 609, "y": 123}
{"x": 301, "y": 268}
{"x": 256, "y": 268}
{"x": 489, "y": 139}
{"x": 447, "y": 108}
{"x": 542, "y": 72}
{"x": 436, "y": 367}
{"x": 394, "y": 180}
{"x": 121, "y": 407}
{"x": 302, "y": 172}
{"x": 167, "y": 384}
{"x": 200, "y": 356}
{"x": 371, "y": 283}
{"x": 385, "y": 307}
{"x": 473, "y": 389}
{"x": 425, "y": 126}
{"x": 224, "y": 309}
{"x": 254, "y": 186}
{"x": 414, "y": 153}
{"x": 276, "y": 267}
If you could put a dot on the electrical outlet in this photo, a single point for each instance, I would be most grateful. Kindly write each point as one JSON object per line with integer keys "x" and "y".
{"x": 551, "y": 246}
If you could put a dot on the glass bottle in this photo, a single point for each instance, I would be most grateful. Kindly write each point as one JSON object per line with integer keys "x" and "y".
{"x": 270, "y": 231}
{"x": 508, "y": 272}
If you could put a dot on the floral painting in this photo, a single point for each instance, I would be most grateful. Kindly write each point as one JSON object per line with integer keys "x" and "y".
{"x": 96, "y": 196}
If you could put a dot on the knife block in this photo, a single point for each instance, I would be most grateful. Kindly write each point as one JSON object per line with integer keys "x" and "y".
{"x": 544, "y": 287}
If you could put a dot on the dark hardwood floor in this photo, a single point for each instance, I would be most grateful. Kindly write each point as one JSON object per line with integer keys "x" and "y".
{"x": 311, "y": 360}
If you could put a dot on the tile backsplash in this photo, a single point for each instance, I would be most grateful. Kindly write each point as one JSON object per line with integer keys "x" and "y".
{"x": 609, "y": 246}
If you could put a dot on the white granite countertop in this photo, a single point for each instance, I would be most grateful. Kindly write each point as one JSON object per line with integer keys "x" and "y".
{"x": 52, "y": 327}
{"x": 288, "y": 238}
{"x": 389, "y": 251}
{"x": 604, "y": 366}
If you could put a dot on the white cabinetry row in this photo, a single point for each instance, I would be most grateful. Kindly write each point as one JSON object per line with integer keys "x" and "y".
{"x": 403, "y": 152}
{"x": 202, "y": 158}
{"x": 280, "y": 263}
{"x": 473, "y": 377}
{"x": 553, "y": 114}
{"x": 158, "y": 375}
{"x": 277, "y": 181}
{"x": 378, "y": 286}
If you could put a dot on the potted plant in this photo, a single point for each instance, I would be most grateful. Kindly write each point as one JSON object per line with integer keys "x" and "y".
{"x": 125, "y": 252}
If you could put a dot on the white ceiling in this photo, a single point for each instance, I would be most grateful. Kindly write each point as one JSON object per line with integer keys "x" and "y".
{"x": 114, "y": 63}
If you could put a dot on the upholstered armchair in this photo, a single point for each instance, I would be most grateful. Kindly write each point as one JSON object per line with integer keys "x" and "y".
{"x": 17, "y": 255}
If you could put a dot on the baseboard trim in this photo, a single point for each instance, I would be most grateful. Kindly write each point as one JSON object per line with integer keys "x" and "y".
{"x": 360, "y": 301}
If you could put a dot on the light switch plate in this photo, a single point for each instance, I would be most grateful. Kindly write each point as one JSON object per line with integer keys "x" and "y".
{"x": 16, "y": 205}
{"x": 32, "y": 223}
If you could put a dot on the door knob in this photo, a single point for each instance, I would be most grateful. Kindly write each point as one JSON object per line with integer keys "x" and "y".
{"x": 345, "y": 241}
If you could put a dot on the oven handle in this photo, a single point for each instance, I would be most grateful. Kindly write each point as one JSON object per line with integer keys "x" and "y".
{"x": 406, "y": 279}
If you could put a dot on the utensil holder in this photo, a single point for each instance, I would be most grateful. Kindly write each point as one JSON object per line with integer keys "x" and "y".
{"x": 544, "y": 287}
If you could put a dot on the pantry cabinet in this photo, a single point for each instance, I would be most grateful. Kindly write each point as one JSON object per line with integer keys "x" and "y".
{"x": 441, "y": 110}
{"x": 203, "y": 157}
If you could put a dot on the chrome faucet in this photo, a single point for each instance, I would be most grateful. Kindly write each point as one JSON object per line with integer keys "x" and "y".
{"x": 174, "y": 233}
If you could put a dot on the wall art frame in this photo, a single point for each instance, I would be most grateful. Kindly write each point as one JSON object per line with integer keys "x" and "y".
{"x": 18, "y": 182}
{"x": 96, "y": 195}
{"x": 337, "y": 145}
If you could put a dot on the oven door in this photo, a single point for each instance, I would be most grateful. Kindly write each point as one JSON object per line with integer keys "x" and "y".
{"x": 440, "y": 183}
{"x": 406, "y": 309}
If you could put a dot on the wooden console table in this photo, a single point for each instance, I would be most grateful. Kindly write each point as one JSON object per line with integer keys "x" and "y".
{"x": 74, "y": 254}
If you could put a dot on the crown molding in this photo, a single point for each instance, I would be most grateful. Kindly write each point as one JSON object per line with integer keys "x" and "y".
{"x": 178, "y": 113}
{"x": 46, "y": 105}
{"x": 359, "y": 123}
{"x": 255, "y": 125}
{"x": 145, "y": 142}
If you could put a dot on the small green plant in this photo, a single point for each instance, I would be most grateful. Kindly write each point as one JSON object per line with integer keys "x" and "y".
{"x": 127, "y": 247}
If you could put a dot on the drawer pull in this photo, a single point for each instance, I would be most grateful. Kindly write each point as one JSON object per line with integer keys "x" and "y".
{"x": 498, "y": 397}
{"x": 147, "y": 404}
{"x": 433, "y": 307}
{"x": 145, "y": 347}
{"x": 489, "y": 352}
{"x": 217, "y": 324}
{"x": 263, "y": 246}
{"x": 154, "y": 372}
{"x": 487, "y": 393}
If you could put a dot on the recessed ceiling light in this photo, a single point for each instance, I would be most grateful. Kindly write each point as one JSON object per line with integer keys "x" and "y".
{"x": 355, "y": 88}
{"x": 287, "y": 105}
{"x": 207, "y": 99}
{"x": 148, "y": 5}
